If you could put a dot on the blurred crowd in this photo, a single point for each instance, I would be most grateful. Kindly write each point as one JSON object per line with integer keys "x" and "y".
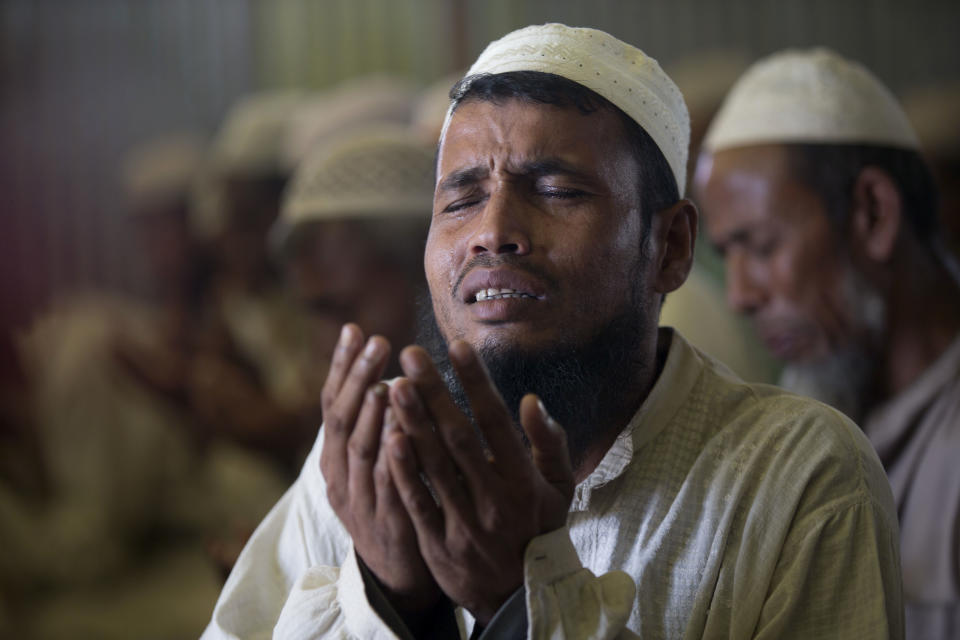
{"x": 145, "y": 436}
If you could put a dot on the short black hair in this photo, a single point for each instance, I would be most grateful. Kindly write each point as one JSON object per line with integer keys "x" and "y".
{"x": 831, "y": 170}
{"x": 658, "y": 187}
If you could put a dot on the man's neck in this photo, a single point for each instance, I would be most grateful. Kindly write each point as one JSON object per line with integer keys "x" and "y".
{"x": 621, "y": 417}
{"x": 923, "y": 319}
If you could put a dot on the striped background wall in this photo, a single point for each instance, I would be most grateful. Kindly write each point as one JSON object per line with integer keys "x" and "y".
{"x": 83, "y": 80}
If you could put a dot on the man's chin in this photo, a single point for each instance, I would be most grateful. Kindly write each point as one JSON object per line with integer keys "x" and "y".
{"x": 584, "y": 383}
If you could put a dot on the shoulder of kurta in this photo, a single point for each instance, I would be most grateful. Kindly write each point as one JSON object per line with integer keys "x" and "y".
{"x": 793, "y": 440}
{"x": 816, "y": 446}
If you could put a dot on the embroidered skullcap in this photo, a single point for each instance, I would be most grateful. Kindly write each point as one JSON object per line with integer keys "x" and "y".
{"x": 809, "y": 96}
{"x": 621, "y": 73}
{"x": 250, "y": 140}
{"x": 374, "y": 172}
{"x": 361, "y": 100}
{"x": 161, "y": 170}
{"x": 248, "y": 146}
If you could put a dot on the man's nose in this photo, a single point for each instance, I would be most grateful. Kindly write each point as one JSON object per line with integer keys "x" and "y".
{"x": 502, "y": 227}
{"x": 745, "y": 291}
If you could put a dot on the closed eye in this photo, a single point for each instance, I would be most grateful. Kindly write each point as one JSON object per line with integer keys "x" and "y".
{"x": 460, "y": 205}
{"x": 558, "y": 192}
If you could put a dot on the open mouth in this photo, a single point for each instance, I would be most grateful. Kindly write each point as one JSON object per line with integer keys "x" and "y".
{"x": 500, "y": 294}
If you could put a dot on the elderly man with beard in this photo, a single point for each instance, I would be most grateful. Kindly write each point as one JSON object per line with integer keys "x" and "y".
{"x": 814, "y": 191}
{"x": 446, "y": 505}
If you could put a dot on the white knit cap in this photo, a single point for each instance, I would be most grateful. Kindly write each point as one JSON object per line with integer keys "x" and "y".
{"x": 373, "y": 172}
{"x": 619, "y": 72}
{"x": 809, "y": 96}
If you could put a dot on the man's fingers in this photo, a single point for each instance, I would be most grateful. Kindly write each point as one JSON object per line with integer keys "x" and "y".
{"x": 363, "y": 447}
{"x": 491, "y": 414}
{"x": 424, "y": 513}
{"x": 366, "y": 369}
{"x": 435, "y": 461}
{"x": 548, "y": 445}
{"x": 348, "y": 345}
{"x": 459, "y": 436}
{"x": 340, "y": 413}
{"x": 388, "y": 501}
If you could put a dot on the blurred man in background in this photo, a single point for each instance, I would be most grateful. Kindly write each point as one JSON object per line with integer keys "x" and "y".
{"x": 255, "y": 383}
{"x": 351, "y": 232}
{"x": 698, "y": 309}
{"x": 248, "y": 376}
{"x": 815, "y": 193}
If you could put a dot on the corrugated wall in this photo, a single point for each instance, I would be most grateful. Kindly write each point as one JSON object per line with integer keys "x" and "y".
{"x": 82, "y": 80}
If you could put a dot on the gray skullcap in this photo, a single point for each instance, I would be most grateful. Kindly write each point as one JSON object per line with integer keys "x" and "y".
{"x": 375, "y": 172}
{"x": 621, "y": 73}
{"x": 809, "y": 96}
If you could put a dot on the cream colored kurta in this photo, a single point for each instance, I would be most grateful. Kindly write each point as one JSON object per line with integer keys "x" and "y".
{"x": 917, "y": 435}
{"x": 723, "y": 510}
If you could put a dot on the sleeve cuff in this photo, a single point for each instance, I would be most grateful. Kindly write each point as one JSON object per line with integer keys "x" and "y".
{"x": 362, "y": 618}
{"x": 550, "y": 557}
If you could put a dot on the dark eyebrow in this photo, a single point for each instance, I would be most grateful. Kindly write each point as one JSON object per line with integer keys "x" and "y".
{"x": 737, "y": 237}
{"x": 461, "y": 178}
{"x": 534, "y": 169}
{"x": 552, "y": 167}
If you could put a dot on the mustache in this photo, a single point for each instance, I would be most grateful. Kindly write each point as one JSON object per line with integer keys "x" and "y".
{"x": 490, "y": 261}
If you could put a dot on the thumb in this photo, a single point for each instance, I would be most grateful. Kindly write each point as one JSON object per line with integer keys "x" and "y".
{"x": 548, "y": 444}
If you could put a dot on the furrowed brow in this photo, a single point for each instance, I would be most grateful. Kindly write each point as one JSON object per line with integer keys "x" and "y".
{"x": 551, "y": 167}
{"x": 462, "y": 178}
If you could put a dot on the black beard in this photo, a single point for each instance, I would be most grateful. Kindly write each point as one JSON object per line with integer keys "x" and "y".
{"x": 585, "y": 387}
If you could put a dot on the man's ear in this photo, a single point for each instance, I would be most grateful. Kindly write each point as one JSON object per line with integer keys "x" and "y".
{"x": 877, "y": 214}
{"x": 676, "y": 229}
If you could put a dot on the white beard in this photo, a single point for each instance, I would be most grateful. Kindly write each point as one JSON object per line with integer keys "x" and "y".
{"x": 843, "y": 378}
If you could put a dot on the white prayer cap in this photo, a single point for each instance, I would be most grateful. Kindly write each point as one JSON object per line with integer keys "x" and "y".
{"x": 809, "y": 96}
{"x": 621, "y": 73}
{"x": 365, "y": 99}
{"x": 374, "y": 172}
{"x": 249, "y": 142}
{"x": 161, "y": 170}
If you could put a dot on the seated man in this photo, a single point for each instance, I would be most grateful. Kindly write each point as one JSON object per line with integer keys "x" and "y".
{"x": 814, "y": 190}
{"x": 690, "y": 504}
{"x": 350, "y": 234}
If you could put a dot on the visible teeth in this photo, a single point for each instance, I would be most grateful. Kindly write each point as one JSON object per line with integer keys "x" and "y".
{"x": 498, "y": 294}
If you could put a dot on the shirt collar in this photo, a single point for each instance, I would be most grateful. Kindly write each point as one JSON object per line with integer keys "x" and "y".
{"x": 885, "y": 424}
{"x": 681, "y": 370}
